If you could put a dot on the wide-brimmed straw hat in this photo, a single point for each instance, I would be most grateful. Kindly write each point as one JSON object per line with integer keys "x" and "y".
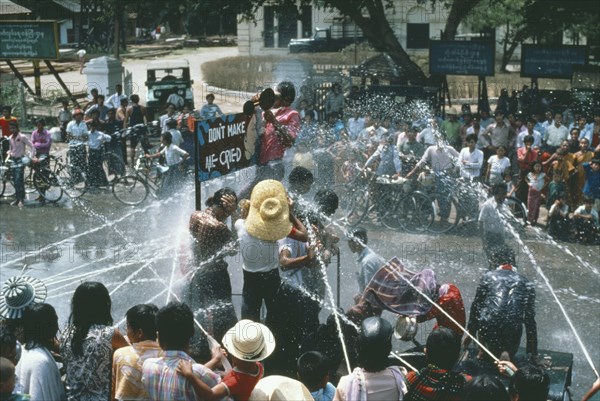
{"x": 268, "y": 218}
{"x": 280, "y": 388}
{"x": 249, "y": 341}
{"x": 452, "y": 111}
{"x": 17, "y": 293}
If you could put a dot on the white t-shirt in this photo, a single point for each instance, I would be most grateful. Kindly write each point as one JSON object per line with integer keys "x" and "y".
{"x": 380, "y": 386}
{"x": 173, "y": 154}
{"x": 297, "y": 249}
{"x": 39, "y": 376}
{"x": 490, "y": 216}
{"x": 258, "y": 256}
{"x": 81, "y": 53}
{"x": 470, "y": 162}
{"x": 176, "y": 138}
{"x": 498, "y": 166}
{"x": 581, "y": 210}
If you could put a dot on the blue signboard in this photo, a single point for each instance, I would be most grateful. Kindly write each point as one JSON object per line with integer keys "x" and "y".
{"x": 455, "y": 57}
{"x": 551, "y": 61}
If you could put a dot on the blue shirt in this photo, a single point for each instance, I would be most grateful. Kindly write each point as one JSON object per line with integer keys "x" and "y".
{"x": 591, "y": 188}
{"x": 368, "y": 264}
{"x": 210, "y": 111}
{"x": 389, "y": 163}
{"x": 324, "y": 394}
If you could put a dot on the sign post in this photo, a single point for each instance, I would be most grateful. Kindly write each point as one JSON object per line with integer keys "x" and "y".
{"x": 223, "y": 145}
{"x": 30, "y": 40}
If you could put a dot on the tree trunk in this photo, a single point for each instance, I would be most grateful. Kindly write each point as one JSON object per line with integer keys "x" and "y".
{"x": 520, "y": 36}
{"x": 379, "y": 33}
{"x": 459, "y": 10}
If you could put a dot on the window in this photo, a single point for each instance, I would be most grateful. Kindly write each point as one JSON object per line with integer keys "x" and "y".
{"x": 307, "y": 30}
{"x": 269, "y": 24}
{"x": 417, "y": 36}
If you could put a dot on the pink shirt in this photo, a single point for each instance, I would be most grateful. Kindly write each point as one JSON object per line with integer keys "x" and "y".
{"x": 41, "y": 141}
{"x": 17, "y": 146}
{"x": 271, "y": 147}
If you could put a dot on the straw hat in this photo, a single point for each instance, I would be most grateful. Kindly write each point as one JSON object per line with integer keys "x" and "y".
{"x": 249, "y": 341}
{"x": 280, "y": 388}
{"x": 452, "y": 111}
{"x": 17, "y": 293}
{"x": 268, "y": 218}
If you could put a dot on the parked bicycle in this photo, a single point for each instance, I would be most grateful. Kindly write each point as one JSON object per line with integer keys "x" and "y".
{"x": 147, "y": 178}
{"x": 44, "y": 180}
{"x": 396, "y": 203}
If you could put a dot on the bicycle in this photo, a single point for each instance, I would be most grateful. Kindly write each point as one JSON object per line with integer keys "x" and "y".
{"x": 45, "y": 181}
{"x": 398, "y": 206}
{"x": 71, "y": 176}
{"x": 133, "y": 189}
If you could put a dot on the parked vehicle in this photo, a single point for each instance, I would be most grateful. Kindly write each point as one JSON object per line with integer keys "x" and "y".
{"x": 322, "y": 41}
{"x": 165, "y": 77}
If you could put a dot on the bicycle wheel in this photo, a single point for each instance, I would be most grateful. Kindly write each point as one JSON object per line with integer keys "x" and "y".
{"x": 29, "y": 173}
{"x": 446, "y": 215}
{"x": 113, "y": 166}
{"x": 417, "y": 212}
{"x": 47, "y": 185}
{"x": 72, "y": 181}
{"x": 516, "y": 208}
{"x": 8, "y": 189}
{"x": 357, "y": 208}
{"x": 130, "y": 190}
{"x": 388, "y": 209}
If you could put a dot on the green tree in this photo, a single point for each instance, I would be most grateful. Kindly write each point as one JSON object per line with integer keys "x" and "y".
{"x": 541, "y": 20}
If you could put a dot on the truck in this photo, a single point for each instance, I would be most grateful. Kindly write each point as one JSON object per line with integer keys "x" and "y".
{"x": 165, "y": 77}
{"x": 322, "y": 41}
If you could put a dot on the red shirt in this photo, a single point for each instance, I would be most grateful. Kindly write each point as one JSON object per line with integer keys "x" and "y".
{"x": 450, "y": 300}
{"x": 4, "y": 125}
{"x": 240, "y": 384}
{"x": 271, "y": 147}
{"x": 526, "y": 159}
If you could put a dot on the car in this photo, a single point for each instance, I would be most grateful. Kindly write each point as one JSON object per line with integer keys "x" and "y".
{"x": 164, "y": 78}
{"x": 322, "y": 41}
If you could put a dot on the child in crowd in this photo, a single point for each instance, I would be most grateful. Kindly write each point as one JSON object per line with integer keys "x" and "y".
{"x": 537, "y": 182}
{"x": 511, "y": 188}
{"x": 247, "y": 343}
{"x": 555, "y": 187}
{"x": 96, "y": 141}
{"x": 585, "y": 223}
{"x": 558, "y": 219}
{"x": 313, "y": 373}
{"x": 584, "y": 155}
{"x": 8, "y": 381}
{"x": 497, "y": 165}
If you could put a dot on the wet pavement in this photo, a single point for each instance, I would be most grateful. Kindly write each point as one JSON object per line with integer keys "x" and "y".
{"x": 140, "y": 254}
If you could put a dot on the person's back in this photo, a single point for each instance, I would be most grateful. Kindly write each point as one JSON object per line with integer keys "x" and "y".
{"x": 529, "y": 383}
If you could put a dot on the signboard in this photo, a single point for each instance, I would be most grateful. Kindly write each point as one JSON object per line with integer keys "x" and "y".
{"x": 551, "y": 61}
{"x": 225, "y": 144}
{"x": 32, "y": 40}
{"x": 457, "y": 57}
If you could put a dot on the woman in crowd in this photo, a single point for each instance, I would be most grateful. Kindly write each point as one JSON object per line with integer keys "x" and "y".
{"x": 88, "y": 342}
{"x": 37, "y": 371}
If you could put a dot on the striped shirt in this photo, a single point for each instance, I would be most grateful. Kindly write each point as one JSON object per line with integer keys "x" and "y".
{"x": 162, "y": 382}
{"x": 432, "y": 384}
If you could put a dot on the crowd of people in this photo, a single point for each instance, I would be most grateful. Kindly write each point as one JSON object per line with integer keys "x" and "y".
{"x": 285, "y": 239}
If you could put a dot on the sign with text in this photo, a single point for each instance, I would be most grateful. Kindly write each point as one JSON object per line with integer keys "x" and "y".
{"x": 31, "y": 40}
{"x": 225, "y": 144}
{"x": 457, "y": 57}
{"x": 551, "y": 61}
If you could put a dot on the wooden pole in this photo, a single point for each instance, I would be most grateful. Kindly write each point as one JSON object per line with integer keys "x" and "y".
{"x": 37, "y": 78}
{"x": 61, "y": 82}
{"x": 19, "y": 76}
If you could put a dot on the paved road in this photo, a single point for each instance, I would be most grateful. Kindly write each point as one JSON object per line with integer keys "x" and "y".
{"x": 229, "y": 103}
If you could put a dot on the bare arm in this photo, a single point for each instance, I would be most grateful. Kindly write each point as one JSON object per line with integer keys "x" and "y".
{"x": 203, "y": 392}
{"x": 288, "y": 263}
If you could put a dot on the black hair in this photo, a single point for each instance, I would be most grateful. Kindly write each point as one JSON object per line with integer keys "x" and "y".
{"x": 94, "y": 90}
{"x": 503, "y": 255}
{"x": 7, "y": 108}
{"x": 312, "y": 369}
{"x": 300, "y": 175}
{"x": 528, "y": 139}
{"x": 101, "y": 97}
{"x": 531, "y": 383}
{"x": 169, "y": 105}
{"x": 124, "y": 100}
{"x": 175, "y": 326}
{"x": 171, "y": 123}
{"x": 443, "y": 348}
{"x": 499, "y": 189}
{"x": 373, "y": 352}
{"x": 134, "y": 98}
{"x": 40, "y": 325}
{"x": 217, "y": 198}
{"x": 90, "y": 305}
{"x": 471, "y": 137}
{"x": 588, "y": 200}
{"x": 359, "y": 234}
{"x": 143, "y": 316}
{"x": 327, "y": 201}
{"x": 40, "y": 121}
{"x": 167, "y": 137}
{"x": 287, "y": 91}
{"x": 8, "y": 340}
{"x": 484, "y": 387}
